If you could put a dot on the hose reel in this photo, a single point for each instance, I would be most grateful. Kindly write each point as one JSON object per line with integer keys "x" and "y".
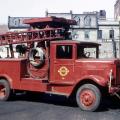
{"x": 37, "y": 57}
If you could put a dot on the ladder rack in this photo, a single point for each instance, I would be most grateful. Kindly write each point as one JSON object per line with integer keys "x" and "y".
{"x": 29, "y": 36}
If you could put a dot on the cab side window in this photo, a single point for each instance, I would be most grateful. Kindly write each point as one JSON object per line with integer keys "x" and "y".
{"x": 64, "y": 51}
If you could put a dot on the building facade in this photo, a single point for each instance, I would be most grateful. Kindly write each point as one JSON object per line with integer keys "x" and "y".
{"x": 108, "y": 30}
{"x": 87, "y": 25}
{"x": 108, "y": 36}
{"x": 93, "y": 26}
{"x": 117, "y": 9}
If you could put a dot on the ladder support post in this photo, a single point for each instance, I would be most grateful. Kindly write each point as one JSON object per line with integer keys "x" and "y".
{"x": 11, "y": 50}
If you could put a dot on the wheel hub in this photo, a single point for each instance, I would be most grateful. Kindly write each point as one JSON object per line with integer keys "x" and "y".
{"x": 87, "y": 98}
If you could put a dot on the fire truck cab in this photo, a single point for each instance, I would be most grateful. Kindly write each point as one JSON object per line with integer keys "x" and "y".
{"x": 53, "y": 64}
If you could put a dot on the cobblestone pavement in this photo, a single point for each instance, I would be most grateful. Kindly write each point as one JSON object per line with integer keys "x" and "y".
{"x": 51, "y": 107}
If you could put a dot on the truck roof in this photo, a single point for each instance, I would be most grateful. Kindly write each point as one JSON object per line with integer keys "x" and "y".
{"x": 50, "y": 20}
{"x": 75, "y": 42}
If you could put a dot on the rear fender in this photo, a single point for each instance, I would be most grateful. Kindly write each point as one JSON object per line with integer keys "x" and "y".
{"x": 7, "y": 78}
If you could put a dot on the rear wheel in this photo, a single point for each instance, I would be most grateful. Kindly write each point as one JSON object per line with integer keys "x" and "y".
{"x": 4, "y": 90}
{"x": 88, "y": 97}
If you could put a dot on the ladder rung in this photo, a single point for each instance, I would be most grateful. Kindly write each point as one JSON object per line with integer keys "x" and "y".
{"x": 31, "y": 36}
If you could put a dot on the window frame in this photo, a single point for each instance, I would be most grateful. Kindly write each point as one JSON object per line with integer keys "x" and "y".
{"x": 87, "y": 21}
{"x": 111, "y": 34}
{"x": 100, "y": 34}
{"x": 64, "y": 55}
{"x": 87, "y": 33}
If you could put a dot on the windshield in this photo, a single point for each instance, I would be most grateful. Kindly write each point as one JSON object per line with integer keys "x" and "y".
{"x": 87, "y": 51}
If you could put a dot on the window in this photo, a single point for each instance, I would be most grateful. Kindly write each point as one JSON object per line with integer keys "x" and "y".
{"x": 99, "y": 34}
{"x": 102, "y": 13}
{"x": 111, "y": 34}
{"x": 87, "y": 21}
{"x": 87, "y": 36}
{"x": 64, "y": 51}
{"x": 77, "y": 19}
{"x": 87, "y": 51}
{"x": 75, "y": 34}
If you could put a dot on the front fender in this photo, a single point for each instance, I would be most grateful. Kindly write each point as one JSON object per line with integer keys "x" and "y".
{"x": 97, "y": 79}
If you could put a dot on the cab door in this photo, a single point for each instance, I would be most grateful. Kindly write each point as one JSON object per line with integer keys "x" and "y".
{"x": 62, "y": 64}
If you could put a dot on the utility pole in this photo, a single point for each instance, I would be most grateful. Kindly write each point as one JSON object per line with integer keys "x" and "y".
{"x": 114, "y": 44}
{"x": 114, "y": 48}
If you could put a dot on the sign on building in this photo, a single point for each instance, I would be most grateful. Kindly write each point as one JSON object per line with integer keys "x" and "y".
{"x": 17, "y": 22}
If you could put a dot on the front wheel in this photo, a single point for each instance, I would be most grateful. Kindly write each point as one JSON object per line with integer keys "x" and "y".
{"x": 88, "y": 97}
{"x": 4, "y": 90}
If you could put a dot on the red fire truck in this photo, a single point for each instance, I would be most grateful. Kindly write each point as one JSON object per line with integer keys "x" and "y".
{"x": 50, "y": 62}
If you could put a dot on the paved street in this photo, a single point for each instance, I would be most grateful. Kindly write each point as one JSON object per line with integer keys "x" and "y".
{"x": 46, "y": 107}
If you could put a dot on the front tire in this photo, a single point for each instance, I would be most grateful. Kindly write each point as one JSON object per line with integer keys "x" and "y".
{"x": 4, "y": 90}
{"x": 88, "y": 97}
